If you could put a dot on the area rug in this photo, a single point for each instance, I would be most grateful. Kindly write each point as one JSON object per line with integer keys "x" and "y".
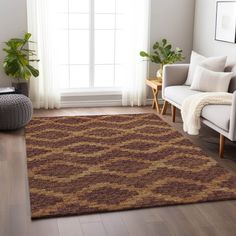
{"x": 91, "y": 164}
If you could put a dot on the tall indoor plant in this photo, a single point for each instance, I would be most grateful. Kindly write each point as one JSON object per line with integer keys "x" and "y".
{"x": 163, "y": 54}
{"x": 17, "y": 62}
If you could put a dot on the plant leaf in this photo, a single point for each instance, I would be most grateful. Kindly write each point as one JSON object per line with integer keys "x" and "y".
{"x": 144, "y": 54}
{"x": 33, "y": 71}
{"x": 156, "y": 46}
{"x": 27, "y": 36}
{"x": 164, "y": 41}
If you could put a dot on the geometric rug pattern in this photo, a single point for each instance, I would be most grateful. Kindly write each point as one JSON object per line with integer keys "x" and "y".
{"x": 91, "y": 164}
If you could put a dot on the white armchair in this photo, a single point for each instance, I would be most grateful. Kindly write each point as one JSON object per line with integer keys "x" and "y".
{"x": 221, "y": 118}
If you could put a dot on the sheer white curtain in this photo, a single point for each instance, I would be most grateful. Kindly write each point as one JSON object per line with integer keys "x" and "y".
{"x": 137, "y": 38}
{"x": 44, "y": 90}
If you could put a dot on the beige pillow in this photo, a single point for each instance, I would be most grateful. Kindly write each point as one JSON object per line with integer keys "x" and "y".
{"x": 210, "y": 81}
{"x": 211, "y": 63}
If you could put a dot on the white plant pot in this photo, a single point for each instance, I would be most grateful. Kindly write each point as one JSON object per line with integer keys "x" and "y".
{"x": 159, "y": 74}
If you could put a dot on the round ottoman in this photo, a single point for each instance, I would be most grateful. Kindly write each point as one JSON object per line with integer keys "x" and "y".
{"x": 15, "y": 111}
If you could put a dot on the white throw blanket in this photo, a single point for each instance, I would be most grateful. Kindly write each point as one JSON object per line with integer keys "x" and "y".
{"x": 192, "y": 108}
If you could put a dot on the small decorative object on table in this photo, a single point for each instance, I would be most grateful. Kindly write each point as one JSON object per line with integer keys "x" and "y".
{"x": 17, "y": 62}
{"x": 156, "y": 86}
{"x": 163, "y": 54}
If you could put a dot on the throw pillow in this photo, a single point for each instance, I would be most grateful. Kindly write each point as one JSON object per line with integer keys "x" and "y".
{"x": 211, "y": 63}
{"x": 210, "y": 81}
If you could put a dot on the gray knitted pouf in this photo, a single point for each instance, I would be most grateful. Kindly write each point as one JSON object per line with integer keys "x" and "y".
{"x": 15, "y": 111}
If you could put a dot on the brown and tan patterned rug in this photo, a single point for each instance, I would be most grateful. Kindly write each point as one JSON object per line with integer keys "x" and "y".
{"x": 80, "y": 165}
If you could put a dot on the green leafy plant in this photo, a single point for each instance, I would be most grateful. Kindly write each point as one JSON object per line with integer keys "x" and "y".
{"x": 17, "y": 61}
{"x": 163, "y": 53}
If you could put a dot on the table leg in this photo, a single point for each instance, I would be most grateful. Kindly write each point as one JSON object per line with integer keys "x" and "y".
{"x": 164, "y": 108}
{"x": 155, "y": 103}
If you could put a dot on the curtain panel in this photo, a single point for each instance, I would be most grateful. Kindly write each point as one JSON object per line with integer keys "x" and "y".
{"x": 137, "y": 39}
{"x": 44, "y": 90}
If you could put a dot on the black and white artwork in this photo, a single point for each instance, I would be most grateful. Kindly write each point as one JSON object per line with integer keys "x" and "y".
{"x": 226, "y": 21}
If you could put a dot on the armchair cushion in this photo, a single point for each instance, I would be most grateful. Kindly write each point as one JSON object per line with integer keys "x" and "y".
{"x": 219, "y": 115}
{"x": 177, "y": 94}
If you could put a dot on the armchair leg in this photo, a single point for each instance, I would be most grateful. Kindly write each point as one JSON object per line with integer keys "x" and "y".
{"x": 222, "y": 145}
{"x": 164, "y": 108}
{"x": 173, "y": 112}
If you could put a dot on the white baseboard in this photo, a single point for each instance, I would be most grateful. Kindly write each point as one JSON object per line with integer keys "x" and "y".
{"x": 96, "y": 103}
{"x": 101, "y": 103}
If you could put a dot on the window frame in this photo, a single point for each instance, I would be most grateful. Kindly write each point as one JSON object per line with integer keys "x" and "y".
{"x": 92, "y": 30}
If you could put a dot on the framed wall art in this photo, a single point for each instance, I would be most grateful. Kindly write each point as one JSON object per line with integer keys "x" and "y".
{"x": 225, "y": 29}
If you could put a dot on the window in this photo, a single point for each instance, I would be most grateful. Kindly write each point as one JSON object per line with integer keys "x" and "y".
{"x": 89, "y": 43}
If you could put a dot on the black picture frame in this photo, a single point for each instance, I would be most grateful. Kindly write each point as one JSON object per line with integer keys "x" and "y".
{"x": 225, "y": 25}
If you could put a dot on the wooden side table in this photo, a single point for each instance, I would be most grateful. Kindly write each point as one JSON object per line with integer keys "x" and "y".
{"x": 156, "y": 86}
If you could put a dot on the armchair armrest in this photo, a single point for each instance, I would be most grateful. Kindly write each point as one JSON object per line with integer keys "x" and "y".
{"x": 175, "y": 74}
{"x": 232, "y": 128}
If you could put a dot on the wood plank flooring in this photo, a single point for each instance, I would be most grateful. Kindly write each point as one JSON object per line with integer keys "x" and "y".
{"x": 206, "y": 219}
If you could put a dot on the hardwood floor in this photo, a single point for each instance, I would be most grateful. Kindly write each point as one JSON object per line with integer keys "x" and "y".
{"x": 218, "y": 218}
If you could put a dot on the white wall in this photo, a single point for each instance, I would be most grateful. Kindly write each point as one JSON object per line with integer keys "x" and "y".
{"x": 204, "y": 32}
{"x": 13, "y": 22}
{"x": 173, "y": 20}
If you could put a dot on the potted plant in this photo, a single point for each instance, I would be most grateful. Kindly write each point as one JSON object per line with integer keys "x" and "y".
{"x": 17, "y": 62}
{"x": 163, "y": 54}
